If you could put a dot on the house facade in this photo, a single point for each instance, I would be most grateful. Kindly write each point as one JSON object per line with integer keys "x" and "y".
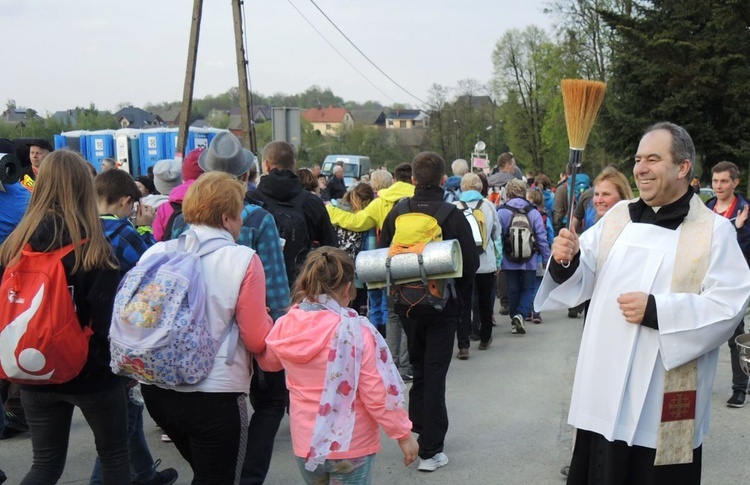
{"x": 406, "y": 119}
{"x": 330, "y": 120}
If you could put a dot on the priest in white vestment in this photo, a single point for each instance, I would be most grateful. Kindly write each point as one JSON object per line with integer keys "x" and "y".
{"x": 667, "y": 289}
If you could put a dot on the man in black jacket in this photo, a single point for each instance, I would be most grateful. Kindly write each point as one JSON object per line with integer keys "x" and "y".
{"x": 336, "y": 185}
{"x": 430, "y": 332}
{"x": 280, "y": 191}
{"x": 724, "y": 181}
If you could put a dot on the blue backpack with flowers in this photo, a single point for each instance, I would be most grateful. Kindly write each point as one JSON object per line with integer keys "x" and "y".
{"x": 159, "y": 332}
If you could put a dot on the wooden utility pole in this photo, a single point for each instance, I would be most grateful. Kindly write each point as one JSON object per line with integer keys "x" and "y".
{"x": 247, "y": 139}
{"x": 187, "y": 92}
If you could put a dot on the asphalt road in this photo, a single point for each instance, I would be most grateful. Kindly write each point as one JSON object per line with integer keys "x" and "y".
{"x": 508, "y": 410}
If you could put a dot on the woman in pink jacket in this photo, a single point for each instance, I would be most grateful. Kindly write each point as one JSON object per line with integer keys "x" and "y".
{"x": 341, "y": 378}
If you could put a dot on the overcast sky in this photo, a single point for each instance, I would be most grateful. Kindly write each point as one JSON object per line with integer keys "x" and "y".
{"x": 59, "y": 54}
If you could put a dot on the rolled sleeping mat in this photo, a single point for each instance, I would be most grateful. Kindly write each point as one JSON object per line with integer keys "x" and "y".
{"x": 10, "y": 169}
{"x": 442, "y": 259}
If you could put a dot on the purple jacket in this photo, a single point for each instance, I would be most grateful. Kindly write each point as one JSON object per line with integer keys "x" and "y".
{"x": 541, "y": 234}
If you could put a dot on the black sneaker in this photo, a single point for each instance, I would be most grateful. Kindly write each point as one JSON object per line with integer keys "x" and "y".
{"x": 572, "y": 314}
{"x": 516, "y": 325}
{"x": 504, "y": 309}
{"x": 14, "y": 425}
{"x": 165, "y": 477}
{"x": 407, "y": 377}
{"x": 737, "y": 400}
{"x": 475, "y": 337}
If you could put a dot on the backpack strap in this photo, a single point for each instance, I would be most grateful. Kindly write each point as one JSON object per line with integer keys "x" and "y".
{"x": 231, "y": 331}
{"x": 176, "y": 211}
{"x": 443, "y": 212}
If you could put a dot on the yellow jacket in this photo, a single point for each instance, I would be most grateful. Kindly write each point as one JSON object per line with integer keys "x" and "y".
{"x": 374, "y": 214}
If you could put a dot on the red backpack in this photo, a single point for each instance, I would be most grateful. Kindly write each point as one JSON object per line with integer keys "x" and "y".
{"x": 41, "y": 339}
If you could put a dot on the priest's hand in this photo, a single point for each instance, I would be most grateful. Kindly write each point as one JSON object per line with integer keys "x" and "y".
{"x": 565, "y": 247}
{"x": 633, "y": 306}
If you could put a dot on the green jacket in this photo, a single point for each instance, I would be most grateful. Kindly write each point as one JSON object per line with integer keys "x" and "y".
{"x": 374, "y": 214}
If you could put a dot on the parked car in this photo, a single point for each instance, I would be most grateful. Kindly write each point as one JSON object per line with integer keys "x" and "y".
{"x": 707, "y": 192}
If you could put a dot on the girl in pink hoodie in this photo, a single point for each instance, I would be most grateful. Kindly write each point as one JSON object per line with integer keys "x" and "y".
{"x": 341, "y": 378}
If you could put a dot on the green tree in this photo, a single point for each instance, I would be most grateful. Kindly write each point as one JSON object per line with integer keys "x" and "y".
{"x": 686, "y": 62}
{"x": 520, "y": 61}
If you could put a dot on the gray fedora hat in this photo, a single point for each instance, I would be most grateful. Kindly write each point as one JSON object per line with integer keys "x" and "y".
{"x": 225, "y": 154}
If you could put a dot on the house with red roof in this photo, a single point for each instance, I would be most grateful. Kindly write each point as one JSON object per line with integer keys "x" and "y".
{"x": 330, "y": 120}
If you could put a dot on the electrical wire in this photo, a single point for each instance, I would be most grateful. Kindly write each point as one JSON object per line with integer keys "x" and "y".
{"x": 364, "y": 55}
{"x": 339, "y": 53}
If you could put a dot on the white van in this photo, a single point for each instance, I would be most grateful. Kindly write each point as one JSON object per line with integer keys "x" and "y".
{"x": 354, "y": 167}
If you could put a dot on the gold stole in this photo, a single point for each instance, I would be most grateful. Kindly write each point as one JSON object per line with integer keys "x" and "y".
{"x": 675, "y": 441}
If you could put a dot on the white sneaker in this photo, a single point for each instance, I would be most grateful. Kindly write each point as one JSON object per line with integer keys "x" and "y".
{"x": 165, "y": 438}
{"x": 432, "y": 464}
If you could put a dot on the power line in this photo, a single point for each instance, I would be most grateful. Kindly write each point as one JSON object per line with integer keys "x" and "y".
{"x": 339, "y": 53}
{"x": 365, "y": 56}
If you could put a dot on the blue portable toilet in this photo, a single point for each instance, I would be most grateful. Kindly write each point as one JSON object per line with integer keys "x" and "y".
{"x": 171, "y": 145}
{"x": 100, "y": 144}
{"x": 60, "y": 142}
{"x": 127, "y": 152}
{"x": 152, "y": 148}
{"x": 198, "y": 138}
{"x": 73, "y": 141}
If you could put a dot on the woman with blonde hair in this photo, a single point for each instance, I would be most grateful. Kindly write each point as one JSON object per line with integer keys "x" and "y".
{"x": 342, "y": 381}
{"x": 208, "y": 421}
{"x": 62, "y": 216}
{"x": 610, "y": 187}
{"x": 380, "y": 179}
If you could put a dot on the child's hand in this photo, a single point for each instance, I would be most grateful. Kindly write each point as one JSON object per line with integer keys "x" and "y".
{"x": 409, "y": 448}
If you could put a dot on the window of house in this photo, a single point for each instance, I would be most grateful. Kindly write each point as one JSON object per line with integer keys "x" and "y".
{"x": 328, "y": 127}
{"x": 390, "y": 122}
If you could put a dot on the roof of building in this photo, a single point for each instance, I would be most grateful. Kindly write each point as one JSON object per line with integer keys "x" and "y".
{"x": 368, "y": 116}
{"x": 137, "y": 118}
{"x": 169, "y": 115}
{"x": 405, "y": 114}
{"x": 325, "y": 115}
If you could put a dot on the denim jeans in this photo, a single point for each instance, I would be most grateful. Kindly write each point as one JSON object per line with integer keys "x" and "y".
{"x": 378, "y": 307}
{"x": 521, "y": 285}
{"x": 50, "y": 414}
{"x": 141, "y": 463}
{"x": 351, "y": 471}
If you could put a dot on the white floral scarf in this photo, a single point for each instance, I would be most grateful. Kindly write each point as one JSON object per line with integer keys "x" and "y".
{"x": 334, "y": 423}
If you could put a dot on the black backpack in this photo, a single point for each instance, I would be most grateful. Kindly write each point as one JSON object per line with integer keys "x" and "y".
{"x": 292, "y": 226}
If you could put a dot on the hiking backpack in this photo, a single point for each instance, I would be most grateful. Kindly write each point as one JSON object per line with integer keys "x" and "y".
{"x": 451, "y": 195}
{"x": 519, "y": 240}
{"x": 583, "y": 183}
{"x": 292, "y": 226}
{"x": 413, "y": 230}
{"x": 173, "y": 217}
{"x": 41, "y": 338}
{"x": 477, "y": 222}
{"x": 160, "y": 333}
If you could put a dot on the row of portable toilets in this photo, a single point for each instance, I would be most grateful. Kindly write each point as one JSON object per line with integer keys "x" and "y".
{"x": 135, "y": 150}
